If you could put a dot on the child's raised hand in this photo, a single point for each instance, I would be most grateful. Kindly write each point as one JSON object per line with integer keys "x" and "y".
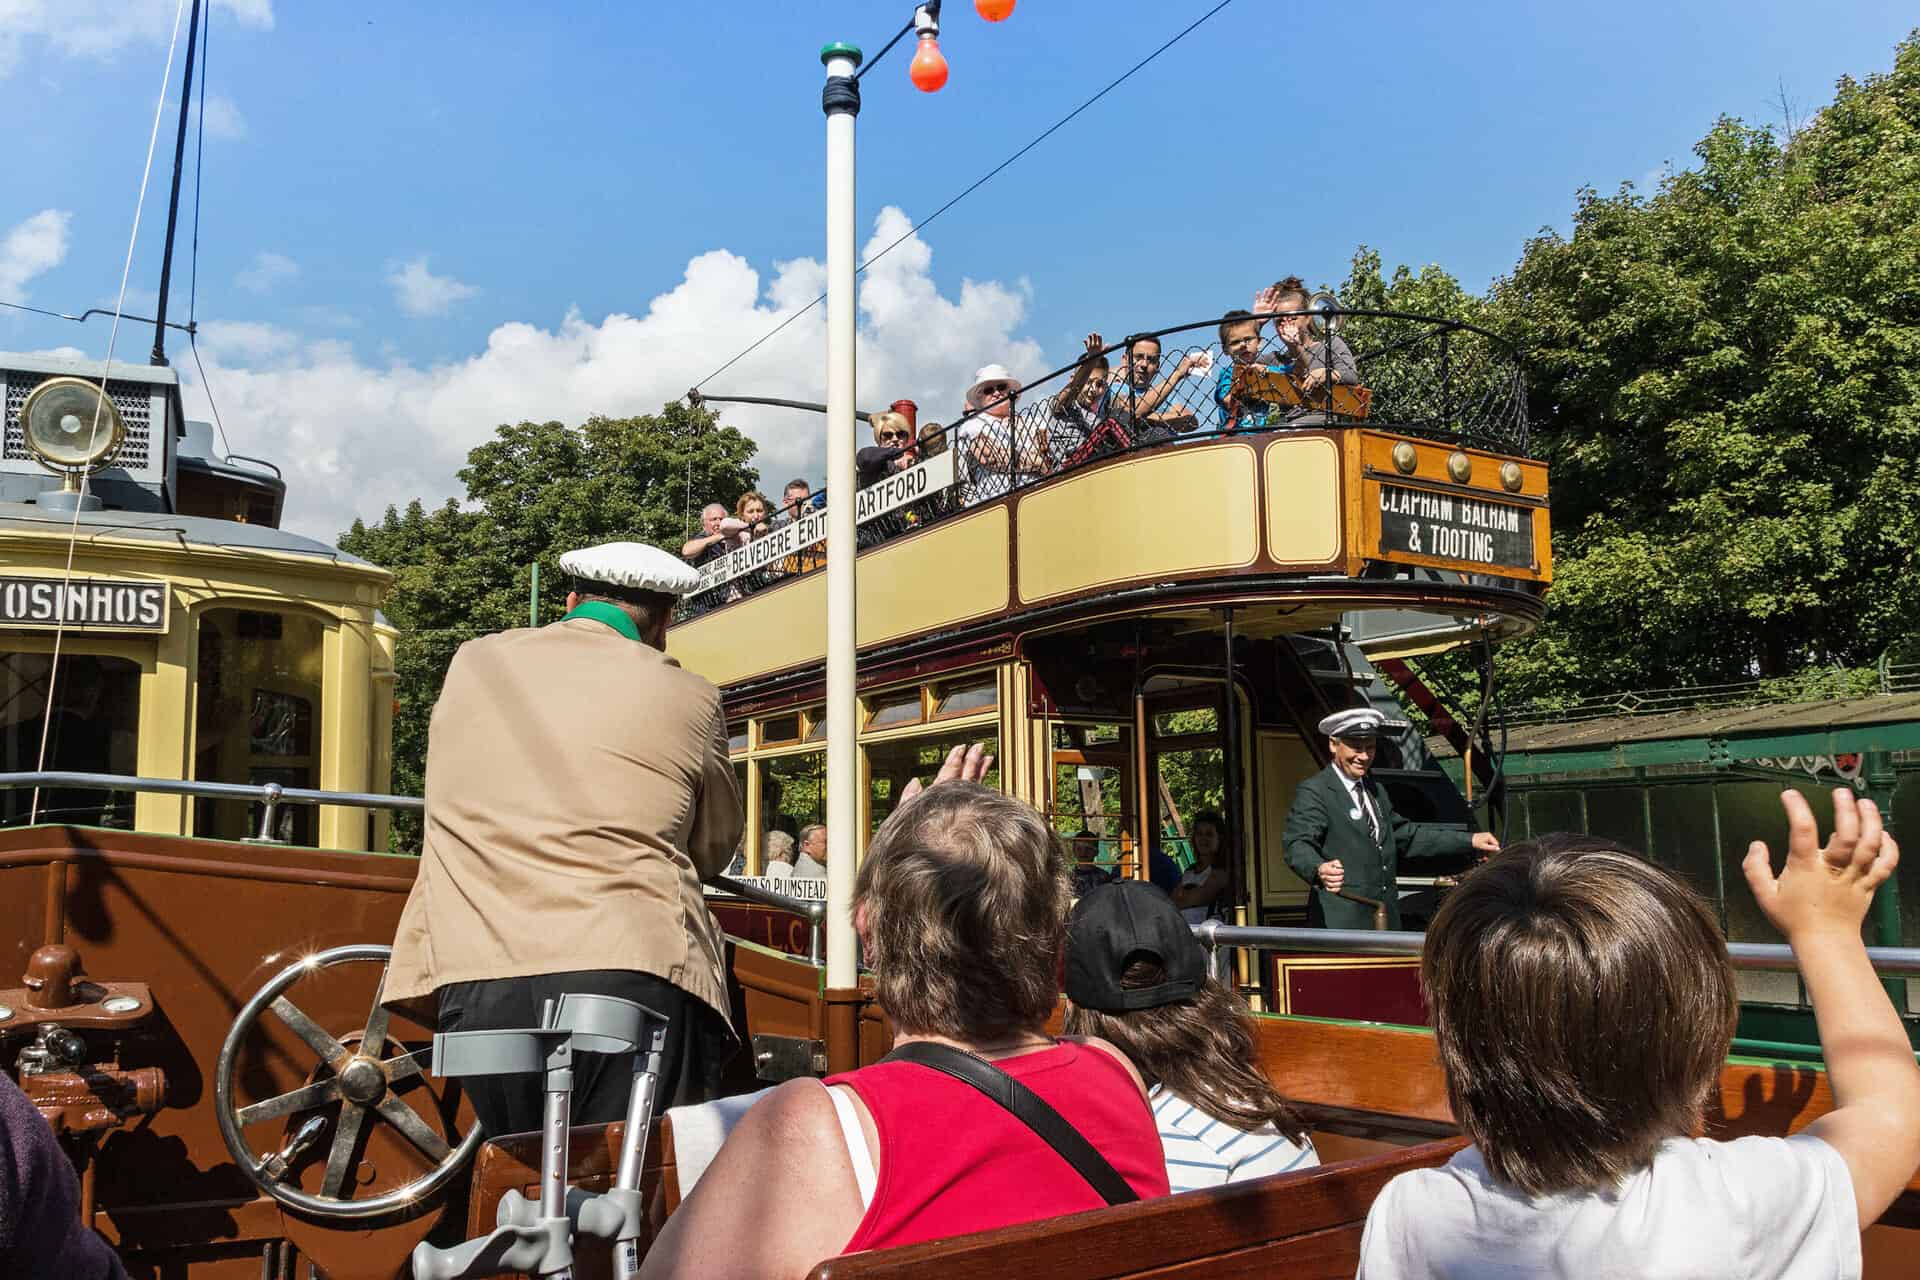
{"x": 1823, "y": 890}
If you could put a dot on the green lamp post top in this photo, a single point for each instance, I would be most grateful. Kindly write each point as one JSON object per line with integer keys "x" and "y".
{"x": 841, "y": 49}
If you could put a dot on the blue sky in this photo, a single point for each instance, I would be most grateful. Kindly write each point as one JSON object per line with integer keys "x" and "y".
{"x": 418, "y": 219}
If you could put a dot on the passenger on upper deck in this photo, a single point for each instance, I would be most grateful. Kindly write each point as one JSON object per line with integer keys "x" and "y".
{"x": 750, "y": 512}
{"x": 1240, "y": 336}
{"x": 712, "y": 540}
{"x": 1303, "y": 355}
{"x": 996, "y": 453}
{"x": 1077, "y": 425}
{"x": 961, "y": 906}
{"x": 793, "y": 504}
{"x": 1583, "y": 1006}
{"x": 1136, "y": 399}
{"x": 892, "y": 449}
{"x": 1137, "y": 977}
{"x": 578, "y": 792}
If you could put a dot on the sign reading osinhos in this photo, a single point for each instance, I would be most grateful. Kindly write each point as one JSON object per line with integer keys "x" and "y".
{"x": 89, "y": 604}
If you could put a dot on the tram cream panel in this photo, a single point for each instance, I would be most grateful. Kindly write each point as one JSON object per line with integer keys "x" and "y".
{"x": 912, "y": 587}
{"x": 1174, "y": 512}
{"x": 1284, "y": 764}
{"x": 1303, "y": 500}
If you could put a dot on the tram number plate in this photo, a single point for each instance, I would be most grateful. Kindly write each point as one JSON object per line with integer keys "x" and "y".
{"x": 1448, "y": 526}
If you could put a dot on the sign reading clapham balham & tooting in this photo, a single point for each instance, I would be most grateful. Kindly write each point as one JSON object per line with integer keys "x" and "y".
{"x": 897, "y": 490}
{"x": 89, "y": 604}
{"x": 1447, "y": 526}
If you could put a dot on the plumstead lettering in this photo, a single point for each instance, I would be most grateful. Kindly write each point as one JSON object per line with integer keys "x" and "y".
{"x": 93, "y": 604}
{"x": 1448, "y": 526}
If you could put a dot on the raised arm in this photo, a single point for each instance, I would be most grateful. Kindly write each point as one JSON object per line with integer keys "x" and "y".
{"x": 1819, "y": 901}
{"x": 1078, "y": 383}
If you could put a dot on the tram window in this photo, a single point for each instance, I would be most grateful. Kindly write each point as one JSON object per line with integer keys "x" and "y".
{"x": 1174, "y": 724}
{"x": 964, "y": 699}
{"x": 779, "y": 729}
{"x": 94, "y": 728}
{"x": 737, "y": 738}
{"x": 1555, "y": 811}
{"x": 892, "y": 765}
{"x": 1190, "y": 782}
{"x": 817, "y": 725}
{"x": 258, "y": 692}
{"x": 793, "y": 792}
{"x": 1682, "y": 835}
{"x": 895, "y": 711}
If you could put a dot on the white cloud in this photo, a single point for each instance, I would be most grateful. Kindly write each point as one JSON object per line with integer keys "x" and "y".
{"x": 101, "y": 28}
{"x": 223, "y": 118}
{"x": 422, "y": 293}
{"x": 267, "y": 271}
{"x": 355, "y": 435}
{"x": 32, "y": 247}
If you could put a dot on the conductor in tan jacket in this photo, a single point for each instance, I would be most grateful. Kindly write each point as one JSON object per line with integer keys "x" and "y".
{"x": 578, "y": 792}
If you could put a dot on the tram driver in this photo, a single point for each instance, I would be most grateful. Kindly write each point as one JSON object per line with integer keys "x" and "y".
{"x": 578, "y": 792}
{"x": 1344, "y": 839}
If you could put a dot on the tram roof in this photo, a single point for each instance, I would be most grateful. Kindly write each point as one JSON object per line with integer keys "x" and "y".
{"x": 1766, "y": 720}
{"x": 178, "y": 530}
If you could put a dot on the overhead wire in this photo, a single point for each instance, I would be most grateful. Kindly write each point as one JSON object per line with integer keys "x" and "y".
{"x": 73, "y": 526}
{"x": 979, "y": 182}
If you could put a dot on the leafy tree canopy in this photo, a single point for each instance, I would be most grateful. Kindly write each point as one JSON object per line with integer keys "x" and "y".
{"x": 533, "y": 492}
{"x": 1726, "y": 381}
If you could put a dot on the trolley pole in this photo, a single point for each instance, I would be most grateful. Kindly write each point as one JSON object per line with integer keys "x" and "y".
{"x": 841, "y": 102}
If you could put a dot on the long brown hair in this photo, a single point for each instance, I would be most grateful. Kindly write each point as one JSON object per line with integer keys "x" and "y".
{"x": 1200, "y": 1048}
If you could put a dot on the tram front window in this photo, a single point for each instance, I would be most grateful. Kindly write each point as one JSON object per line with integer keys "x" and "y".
{"x": 93, "y": 728}
{"x": 255, "y": 717}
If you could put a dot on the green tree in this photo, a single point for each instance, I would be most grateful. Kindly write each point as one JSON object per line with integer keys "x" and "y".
{"x": 1726, "y": 382}
{"x": 533, "y": 492}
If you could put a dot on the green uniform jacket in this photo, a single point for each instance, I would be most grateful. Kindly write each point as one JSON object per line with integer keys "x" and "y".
{"x": 1323, "y": 827}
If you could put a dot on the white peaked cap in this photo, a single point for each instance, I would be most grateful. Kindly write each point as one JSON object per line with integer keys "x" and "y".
{"x": 1358, "y": 722}
{"x": 633, "y": 565}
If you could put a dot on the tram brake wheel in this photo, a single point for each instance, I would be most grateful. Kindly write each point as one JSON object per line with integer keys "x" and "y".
{"x": 352, "y": 1085}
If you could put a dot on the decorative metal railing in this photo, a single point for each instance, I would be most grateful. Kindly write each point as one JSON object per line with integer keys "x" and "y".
{"x": 1417, "y": 375}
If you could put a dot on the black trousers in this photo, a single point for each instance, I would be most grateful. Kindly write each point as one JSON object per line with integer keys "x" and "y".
{"x": 698, "y": 1046}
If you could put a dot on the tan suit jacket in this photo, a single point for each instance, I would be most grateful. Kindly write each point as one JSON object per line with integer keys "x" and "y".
{"x": 578, "y": 792}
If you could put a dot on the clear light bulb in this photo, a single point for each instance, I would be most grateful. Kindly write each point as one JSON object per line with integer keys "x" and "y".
{"x": 994, "y": 10}
{"x": 929, "y": 69}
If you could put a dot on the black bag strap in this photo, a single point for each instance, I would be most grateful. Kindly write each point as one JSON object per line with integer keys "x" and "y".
{"x": 1026, "y": 1106}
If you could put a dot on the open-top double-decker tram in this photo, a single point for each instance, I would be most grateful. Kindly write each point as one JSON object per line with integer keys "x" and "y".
{"x": 197, "y": 920}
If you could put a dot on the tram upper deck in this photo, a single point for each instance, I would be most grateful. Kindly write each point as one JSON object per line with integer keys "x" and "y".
{"x": 1087, "y": 507}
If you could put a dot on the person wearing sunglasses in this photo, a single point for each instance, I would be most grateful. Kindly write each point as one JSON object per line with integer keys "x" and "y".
{"x": 893, "y": 449}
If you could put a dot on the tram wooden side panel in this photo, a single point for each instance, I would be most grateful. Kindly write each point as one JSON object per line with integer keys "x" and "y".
{"x": 203, "y": 924}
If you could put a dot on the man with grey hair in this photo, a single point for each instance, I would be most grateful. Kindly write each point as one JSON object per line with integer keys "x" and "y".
{"x": 711, "y": 541}
{"x": 812, "y": 862}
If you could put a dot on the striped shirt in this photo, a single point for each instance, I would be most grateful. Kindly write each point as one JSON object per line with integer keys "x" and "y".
{"x": 1205, "y": 1152}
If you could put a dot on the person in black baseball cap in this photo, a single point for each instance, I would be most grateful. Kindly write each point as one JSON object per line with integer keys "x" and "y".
{"x": 1137, "y": 977}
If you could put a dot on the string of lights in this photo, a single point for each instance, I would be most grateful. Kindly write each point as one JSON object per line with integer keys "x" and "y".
{"x": 1002, "y": 8}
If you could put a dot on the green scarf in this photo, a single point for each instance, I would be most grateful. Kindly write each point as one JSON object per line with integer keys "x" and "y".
{"x": 611, "y": 614}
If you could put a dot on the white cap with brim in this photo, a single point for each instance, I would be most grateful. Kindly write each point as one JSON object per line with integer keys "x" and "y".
{"x": 984, "y": 375}
{"x": 1358, "y": 722}
{"x": 632, "y": 566}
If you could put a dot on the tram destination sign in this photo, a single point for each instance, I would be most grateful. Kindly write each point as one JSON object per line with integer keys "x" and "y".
{"x": 88, "y": 604}
{"x": 898, "y": 489}
{"x": 1449, "y": 526}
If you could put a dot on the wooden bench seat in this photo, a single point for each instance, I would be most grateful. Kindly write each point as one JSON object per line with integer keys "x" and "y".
{"x": 1297, "y": 1225}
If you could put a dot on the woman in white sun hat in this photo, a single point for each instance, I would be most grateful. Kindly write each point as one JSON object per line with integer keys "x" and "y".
{"x": 997, "y": 450}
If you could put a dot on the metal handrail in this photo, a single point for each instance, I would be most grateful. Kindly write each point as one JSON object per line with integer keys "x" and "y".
{"x": 1893, "y": 962}
{"x": 270, "y": 794}
{"x": 812, "y": 909}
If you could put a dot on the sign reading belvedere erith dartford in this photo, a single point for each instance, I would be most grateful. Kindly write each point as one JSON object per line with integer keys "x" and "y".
{"x": 92, "y": 604}
{"x": 1450, "y": 527}
{"x": 897, "y": 490}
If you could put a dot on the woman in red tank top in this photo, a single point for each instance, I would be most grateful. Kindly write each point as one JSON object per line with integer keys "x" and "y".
{"x": 961, "y": 905}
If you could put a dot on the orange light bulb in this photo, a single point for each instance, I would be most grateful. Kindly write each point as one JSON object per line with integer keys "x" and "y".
{"x": 994, "y": 10}
{"x": 929, "y": 69}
